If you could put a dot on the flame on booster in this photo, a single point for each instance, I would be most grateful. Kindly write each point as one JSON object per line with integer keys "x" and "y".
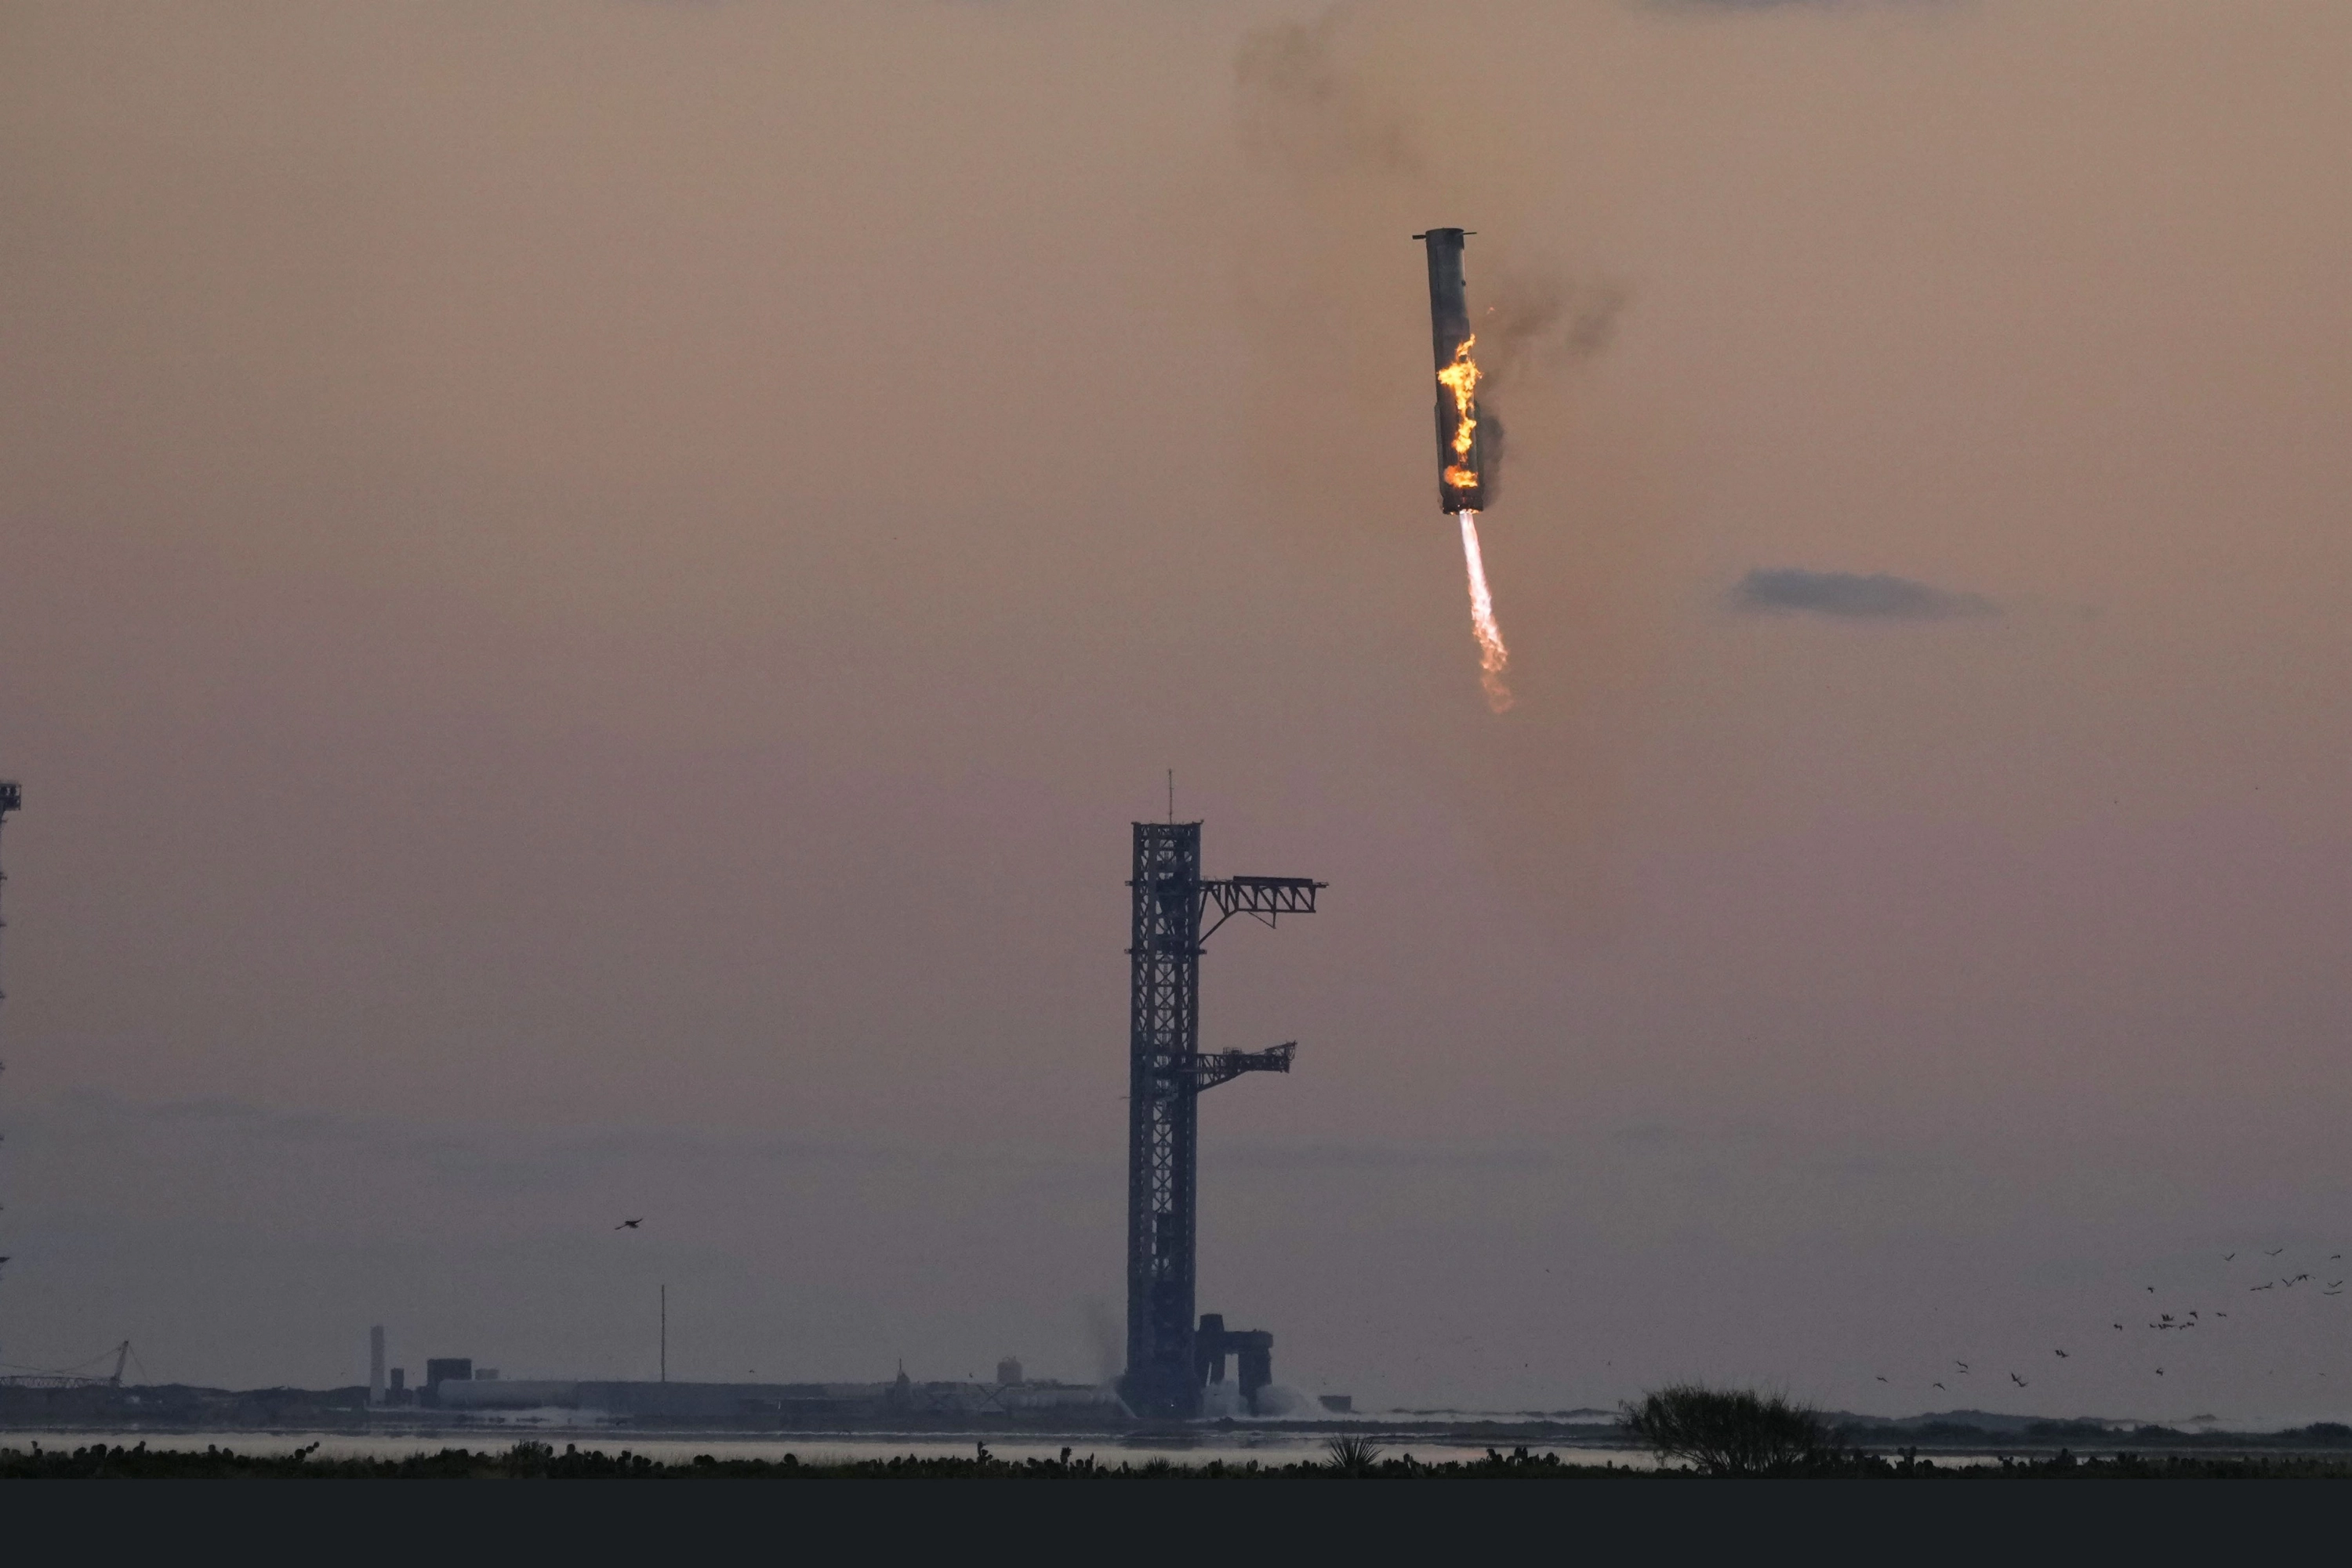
{"x": 1461, "y": 378}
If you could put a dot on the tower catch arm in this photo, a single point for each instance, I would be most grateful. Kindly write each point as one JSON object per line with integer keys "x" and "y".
{"x": 1261, "y": 897}
{"x": 1207, "y": 1069}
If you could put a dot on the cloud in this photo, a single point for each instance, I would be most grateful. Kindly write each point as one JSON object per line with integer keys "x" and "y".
{"x": 1705, "y": 5}
{"x": 1852, "y": 596}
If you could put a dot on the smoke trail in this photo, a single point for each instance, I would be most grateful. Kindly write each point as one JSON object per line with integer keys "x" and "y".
{"x": 1493, "y": 657}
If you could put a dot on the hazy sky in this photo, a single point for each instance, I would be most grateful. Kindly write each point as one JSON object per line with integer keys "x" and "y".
{"x": 587, "y": 593}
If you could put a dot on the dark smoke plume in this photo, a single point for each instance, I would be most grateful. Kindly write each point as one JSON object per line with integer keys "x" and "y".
{"x": 1538, "y": 322}
{"x": 1306, "y": 112}
{"x": 1323, "y": 118}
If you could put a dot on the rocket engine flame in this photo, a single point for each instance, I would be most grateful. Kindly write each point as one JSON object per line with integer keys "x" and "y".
{"x": 1493, "y": 657}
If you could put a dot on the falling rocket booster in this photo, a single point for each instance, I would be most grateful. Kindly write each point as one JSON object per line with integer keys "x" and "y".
{"x": 1461, "y": 460}
{"x": 1460, "y": 486}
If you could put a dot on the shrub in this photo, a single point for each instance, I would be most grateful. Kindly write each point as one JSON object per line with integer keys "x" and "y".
{"x": 1352, "y": 1456}
{"x": 1729, "y": 1432}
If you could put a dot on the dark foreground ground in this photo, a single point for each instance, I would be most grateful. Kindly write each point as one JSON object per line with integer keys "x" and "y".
{"x": 540, "y": 1461}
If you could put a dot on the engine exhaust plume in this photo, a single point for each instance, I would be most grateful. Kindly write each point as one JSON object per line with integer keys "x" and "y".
{"x": 1461, "y": 488}
{"x": 1493, "y": 657}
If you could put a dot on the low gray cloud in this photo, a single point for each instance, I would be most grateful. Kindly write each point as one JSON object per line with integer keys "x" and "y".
{"x": 1707, "y": 5}
{"x": 1852, "y": 596}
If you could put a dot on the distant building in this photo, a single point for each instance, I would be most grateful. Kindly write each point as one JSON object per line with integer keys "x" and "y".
{"x": 1338, "y": 1403}
{"x": 375, "y": 1365}
{"x": 1008, "y": 1371}
{"x": 439, "y": 1370}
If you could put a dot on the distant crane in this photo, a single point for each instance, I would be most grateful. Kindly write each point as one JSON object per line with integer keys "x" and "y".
{"x": 71, "y": 1378}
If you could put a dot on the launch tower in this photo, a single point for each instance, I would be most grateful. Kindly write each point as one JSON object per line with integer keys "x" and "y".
{"x": 1166, "y": 1074}
{"x": 12, "y": 798}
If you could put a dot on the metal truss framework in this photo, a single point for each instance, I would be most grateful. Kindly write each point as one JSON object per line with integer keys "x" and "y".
{"x": 12, "y": 798}
{"x": 1167, "y": 1073}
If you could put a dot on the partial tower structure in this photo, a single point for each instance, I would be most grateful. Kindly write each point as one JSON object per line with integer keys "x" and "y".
{"x": 1166, "y": 1075}
{"x": 12, "y": 798}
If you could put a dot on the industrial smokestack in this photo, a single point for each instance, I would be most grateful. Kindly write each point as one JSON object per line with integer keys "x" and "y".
{"x": 375, "y": 1365}
{"x": 1460, "y": 486}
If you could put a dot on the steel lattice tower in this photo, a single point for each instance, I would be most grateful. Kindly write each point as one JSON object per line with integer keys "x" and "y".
{"x": 1166, "y": 1075}
{"x": 12, "y": 798}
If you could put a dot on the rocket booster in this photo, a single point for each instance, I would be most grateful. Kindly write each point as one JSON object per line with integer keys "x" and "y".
{"x": 1459, "y": 465}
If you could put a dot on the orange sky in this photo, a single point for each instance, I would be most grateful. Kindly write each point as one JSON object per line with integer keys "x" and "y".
{"x": 618, "y": 571}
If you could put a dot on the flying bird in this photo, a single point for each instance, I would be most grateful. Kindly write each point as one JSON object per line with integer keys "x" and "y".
{"x": 2227, "y": 1256}
{"x": 1946, "y": 1390}
{"x": 2151, "y": 1289}
{"x": 2159, "y": 1371}
{"x": 2273, "y": 1252}
{"x": 2062, "y": 1355}
{"x": 630, "y": 1224}
{"x": 2119, "y": 1326}
{"x": 1882, "y": 1380}
{"x": 1961, "y": 1365}
{"x": 2017, "y": 1380}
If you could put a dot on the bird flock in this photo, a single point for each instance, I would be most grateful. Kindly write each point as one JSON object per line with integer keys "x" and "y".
{"x": 2253, "y": 1277}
